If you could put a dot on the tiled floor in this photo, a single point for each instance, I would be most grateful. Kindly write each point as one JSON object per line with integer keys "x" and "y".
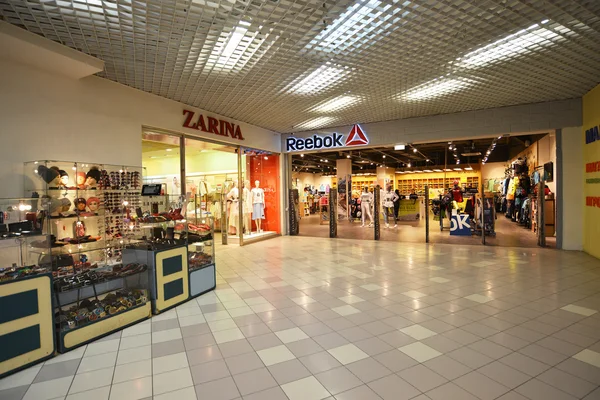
{"x": 304, "y": 319}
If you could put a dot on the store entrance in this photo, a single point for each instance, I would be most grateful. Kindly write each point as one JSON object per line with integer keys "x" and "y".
{"x": 237, "y": 186}
{"x": 463, "y": 189}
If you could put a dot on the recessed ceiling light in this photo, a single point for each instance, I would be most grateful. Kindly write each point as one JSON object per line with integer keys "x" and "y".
{"x": 336, "y": 103}
{"x": 436, "y": 88}
{"x": 427, "y": 170}
{"x": 469, "y": 168}
{"x": 414, "y": 150}
{"x": 437, "y": 170}
{"x": 525, "y": 40}
{"x": 458, "y": 169}
{"x": 447, "y": 169}
{"x": 315, "y": 123}
{"x": 384, "y": 156}
{"x": 321, "y": 78}
{"x": 169, "y": 149}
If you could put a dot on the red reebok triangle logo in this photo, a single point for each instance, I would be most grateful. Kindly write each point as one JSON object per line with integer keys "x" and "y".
{"x": 357, "y": 137}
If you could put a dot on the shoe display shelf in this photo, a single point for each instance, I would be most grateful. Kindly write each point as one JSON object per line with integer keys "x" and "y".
{"x": 87, "y": 220}
{"x": 26, "y": 315}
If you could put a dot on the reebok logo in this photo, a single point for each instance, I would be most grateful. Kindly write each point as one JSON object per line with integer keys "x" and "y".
{"x": 356, "y": 138}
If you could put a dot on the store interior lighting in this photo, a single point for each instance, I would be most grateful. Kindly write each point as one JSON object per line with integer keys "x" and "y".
{"x": 535, "y": 36}
{"x": 336, "y": 103}
{"x": 321, "y": 78}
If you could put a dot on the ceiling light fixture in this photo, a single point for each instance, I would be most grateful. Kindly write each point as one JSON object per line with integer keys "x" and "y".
{"x": 315, "y": 123}
{"x": 321, "y": 78}
{"x": 400, "y": 147}
{"x": 336, "y": 103}
{"x": 534, "y": 37}
{"x": 437, "y": 170}
{"x": 436, "y": 88}
{"x": 384, "y": 156}
{"x": 414, "y": 150}
{"x": 469, "y": 168}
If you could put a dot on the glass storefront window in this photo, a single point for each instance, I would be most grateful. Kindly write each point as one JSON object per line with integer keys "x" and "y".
{"x": 262, "y": 175}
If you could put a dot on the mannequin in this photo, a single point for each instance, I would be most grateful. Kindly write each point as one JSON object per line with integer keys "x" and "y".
{"x": 92, "y": 178}
{"x": 234, "y": 208}
{"x": 366, "y": 199}
{"x": 247, "y": 207}
{"x": 258, "y": 205}
{"x": 387, "y": 203}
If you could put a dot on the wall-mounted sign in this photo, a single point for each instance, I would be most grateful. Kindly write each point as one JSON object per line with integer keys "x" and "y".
{"x": 592, "y": 134}
{"x": 212, "y": 125}
{"x": 356, "y": 137}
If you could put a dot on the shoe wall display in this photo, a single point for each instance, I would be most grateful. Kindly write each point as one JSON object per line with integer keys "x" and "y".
{"x": 88, "y": 219}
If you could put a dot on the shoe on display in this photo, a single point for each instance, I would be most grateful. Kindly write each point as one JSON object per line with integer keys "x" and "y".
{"x": 396, "y": 225}
{"x": 387, "y": 226}
{"x": 362, "y": 226}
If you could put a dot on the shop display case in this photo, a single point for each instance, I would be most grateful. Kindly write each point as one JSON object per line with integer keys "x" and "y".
{"x": 26, "y": 317}
{"x": 88, "y": 219}
{"x": 201, "y": 252}
{"x": 161, "y": 244}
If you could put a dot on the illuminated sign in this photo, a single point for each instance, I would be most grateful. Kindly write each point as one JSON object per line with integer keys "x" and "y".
{"x": 356, "y": 137}
{"x": 216, "y": 126}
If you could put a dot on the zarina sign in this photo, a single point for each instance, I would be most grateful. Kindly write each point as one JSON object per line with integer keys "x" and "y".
{"x": 216, "y": 126}
{"x": 356, "y": 137}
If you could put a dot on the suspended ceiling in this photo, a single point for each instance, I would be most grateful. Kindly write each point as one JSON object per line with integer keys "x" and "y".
{"x": 305, "y": 64}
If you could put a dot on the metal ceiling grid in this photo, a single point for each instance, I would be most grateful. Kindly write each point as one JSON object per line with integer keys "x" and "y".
{"x": 292, "y": 65}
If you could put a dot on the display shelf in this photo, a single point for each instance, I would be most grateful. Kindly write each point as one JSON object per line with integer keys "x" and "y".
{"x": 26, "y": 322}
{"x": 201, "y": 255}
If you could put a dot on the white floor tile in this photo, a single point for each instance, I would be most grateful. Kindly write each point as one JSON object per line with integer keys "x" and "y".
{"x": 21, "y": 378}
{"x": 479, "y": 298}
{"x": 303, "y": 300}
{"x": 173, "y": 380}
{"x": 346, "y": 310}
{"x": 435, "y": 268}
{"x": 131, "y": 342}
{"x": 371, "y": 287}
{"x": 49, "y": 389}
{"x": 106, "y": 346}
{"x": 589, "y": 356}
{"x": 138, "y": 329}
{"x": 92, "y": 380}
{"x": 256, "y": 300}
{"x": 169, "y": 363}
{"x": 71, "y": 355}
{"x": 131, "y": 371}
{"x": 132, "y": 390}
{"x": 166, "y": 335}
{"x": 217, "y": 315}
{"x": 222, "y": 325}
{"x": 352, "y": 299}
{"x": 414, "y": 294}
{"x": 305, "y": 389}
{"x": 275, "y": 355}
{"x": 95, "y": 394}
{"x": 347, "y": 353}
{"x": 97, "y": 362}
{"x": 186, "y": 312}
{"x": 419, "y": 351}
{"x": 228, "y": 335}
{"x": 579, "y": 310}
{"x": 133, "y": 355}
{"x": 418, "y": 332}
{"x": 191, "y": 320}
{"x": 241, "y": 311}
{"x": 171, "y": 314}
{"x": 291, "y": 335}
{"x": 439, "y": 279}
{"x": 258, "y": 308}
{"x": 207, "y": 299}
{"x": 188, "y": 393}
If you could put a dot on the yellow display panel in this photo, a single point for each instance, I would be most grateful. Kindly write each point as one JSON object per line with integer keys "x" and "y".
{"x": 172, "y": 276}
{"x": 40, "y": 290}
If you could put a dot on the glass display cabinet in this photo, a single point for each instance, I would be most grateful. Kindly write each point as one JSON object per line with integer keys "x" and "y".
{"x": 88, "y": 219}
{"x": 26, "y": 315}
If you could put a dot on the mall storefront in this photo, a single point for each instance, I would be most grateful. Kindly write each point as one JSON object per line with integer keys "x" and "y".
{"x": 479, "y": 187}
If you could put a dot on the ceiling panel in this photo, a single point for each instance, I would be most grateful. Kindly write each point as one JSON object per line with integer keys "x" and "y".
{"x": 296, "y": 65}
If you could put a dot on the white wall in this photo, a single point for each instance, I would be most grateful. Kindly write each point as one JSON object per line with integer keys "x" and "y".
{"x": 43, "y": 116}
{"x": 539, "y": 117}
{"x": 573, "y": 192}
{"x": 493, "y": 170}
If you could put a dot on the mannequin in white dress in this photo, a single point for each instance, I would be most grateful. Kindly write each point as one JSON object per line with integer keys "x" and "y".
{"x": 234, "y": 209}
{"x": 258, "y": 205}
{"x": 247, "y": 207}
